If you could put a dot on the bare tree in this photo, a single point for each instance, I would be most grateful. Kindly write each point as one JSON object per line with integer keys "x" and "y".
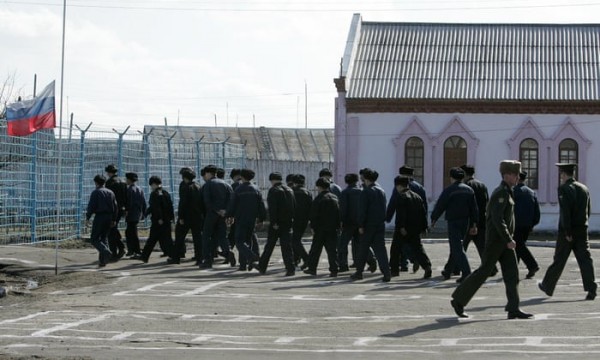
{"x": 8, "y": 92}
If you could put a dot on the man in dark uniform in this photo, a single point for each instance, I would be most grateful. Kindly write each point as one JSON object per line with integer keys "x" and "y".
{"x": 527, "y": 215}
{"x": 135, "y": 211}
{"x": 216, "y": 194}
{"x": 575, "y": 209}
{"x": 458, "y": 202}
{"x": 371, "y": 225}
{"x": 190, "y": 213}
{"x": 499, "y": 247}
{"x": 236, "y": 180}
{"x": 411, "y": 221}
{"x": 119, "y": 188}
{"x": 247, "y": 210}
{"x": 325, "y": 222}
{"x": 281, "y": 208}
{"x": 161, "y": 214}
{"x": 104, "y": 205}
{"x": 303, "y": 199}
{"x": 334, "y": 188}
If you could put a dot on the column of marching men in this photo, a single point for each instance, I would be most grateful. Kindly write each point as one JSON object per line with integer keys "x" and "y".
{"x": 355, "y": 217}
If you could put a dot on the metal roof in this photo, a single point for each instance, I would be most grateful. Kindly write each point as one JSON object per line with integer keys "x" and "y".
{"x": 472, "y": 61}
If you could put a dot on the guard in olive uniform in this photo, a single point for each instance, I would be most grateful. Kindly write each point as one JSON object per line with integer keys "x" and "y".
{"x": 575, "y": 208}
{"x": 325, "y": 222}
{"x": 458, "y": 202}
{"x": 527, "y": 215}
{"x": 119, "y": 188}
{"x": 304, "y": 200}
{"x": 499, "y": 246}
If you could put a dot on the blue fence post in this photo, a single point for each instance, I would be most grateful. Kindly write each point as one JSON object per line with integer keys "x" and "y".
{"x": 146, "y": 185}
{"x": 170, "y": 154}
{"x": 33, "y": 188}
{"x": 81, "y": 205}
{"x": 198, "y": 155}
{"x": 120, "y": 148}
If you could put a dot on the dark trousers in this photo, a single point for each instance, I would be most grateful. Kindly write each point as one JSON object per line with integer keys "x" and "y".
{"x": 283, "y": 234}
{"x": 581, "y": 248}
{"x": 373, "y": 238}
{"x": 244, "y": 241}
{"x": 351, "y": 236}
{"x": 521, "y": 235}
{"x": 213, "y": 233}
{"x": 478, "y": 240}
{"x": 132, "y": 238}
{"x": 100, "y": 229}
{"x": 115, "y": 244}
{"x": 457, "y": 230}
{"x": 327, "y": 238}
{"x": 415, "y": 246}
{"x": 162, "y": 235}
{"x": 494, "y": 252}
{"x": 297, "y": 246}
{"x": 181, "y": 231}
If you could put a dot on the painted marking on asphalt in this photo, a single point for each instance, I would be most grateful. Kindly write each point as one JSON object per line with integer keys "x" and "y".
{"x": 46, "y": 332}
{"x": 364, "y": 341}
{"x": 21, "y": 319}
{"x": 533, "y": 341}
{"x": 123, "y": 336}
{"x": 202, "y": 289}
{"x": 285, "y": 340}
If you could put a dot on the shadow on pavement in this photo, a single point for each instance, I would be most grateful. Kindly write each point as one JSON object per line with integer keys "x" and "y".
{"x": 439, "y": 324}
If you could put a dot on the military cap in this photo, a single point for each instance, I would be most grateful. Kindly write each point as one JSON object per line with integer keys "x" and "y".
{"x": 211, "y": 169}
{"x": 275, "y": 176}
{"x": 131, "y": 176}
{"x": 568, "y": 168}
{"x": 234, "y": 173}
{"x": 468, "y": 169}
{"x": 523, "y": 175}
{"x": 457, "y": 173}
{"x": 289, "y": 178}
{"x": 100, "y": 179}
{"x": 111, "y": 169}
{"x": 401, "y": 180}
{"x": 406, "y": 170}
{"x": 351, "y": 179}
{"x": 323, "y": 183}
{"x": 247, "y": 174}
{"x": 185, "y": 169}
{"x": 188, "y": 174}
{"x": 510, "y": 167}
{"x": 155, "y": 180}
{"x": 220, "y": 173}
{"x": 325, "y": 172}
{"x": 299, "y": 179}
{"x": 370, "y": 174}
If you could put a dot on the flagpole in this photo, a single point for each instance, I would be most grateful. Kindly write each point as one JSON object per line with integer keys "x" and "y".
{"x": 58, "y": 193}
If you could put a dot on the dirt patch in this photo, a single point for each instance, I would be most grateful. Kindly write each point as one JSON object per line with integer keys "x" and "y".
{"x": 67, "y": 244}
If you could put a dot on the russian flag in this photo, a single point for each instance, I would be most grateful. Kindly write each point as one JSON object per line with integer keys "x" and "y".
{"x": 26, "y": 117}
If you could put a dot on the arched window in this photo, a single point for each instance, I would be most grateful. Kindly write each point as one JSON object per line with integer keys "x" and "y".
{"x": 568, "y": 152}
{"x": 529, "y": 157}
{"x": 414, "y": 152}
{"x": 455, "y": 154}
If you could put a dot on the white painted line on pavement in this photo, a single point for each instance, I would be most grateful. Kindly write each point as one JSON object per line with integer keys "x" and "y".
{"x": 31, "y": 316}
{"x": 46, "y": 332}
{"x": 364, "y": 341}
{"x": 123, "y": 336}
{"x": 202, "y": 289}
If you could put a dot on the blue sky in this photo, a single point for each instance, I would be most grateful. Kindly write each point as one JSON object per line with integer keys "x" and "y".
{"x": 135, "y": 62}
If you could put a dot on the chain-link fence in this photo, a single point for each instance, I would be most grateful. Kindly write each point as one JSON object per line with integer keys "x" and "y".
{"x": 29, "y": 174}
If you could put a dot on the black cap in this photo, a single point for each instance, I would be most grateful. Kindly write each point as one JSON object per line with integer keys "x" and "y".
{"x": 188, "y": 174}
{"x": 247, "y": 174}
{"x": 211, "y": 169}
{"x": 323, "y": 183}
{"x": 99, "y": 179}
{"x": 325, "y": 172}
{"x": 234, "y": 173}
{"x": 370, "y": 174}
{"x": 221, "y": 173}
{"x": 401, "y": 180}
{"x": 468, "y": 169}
{"x": 111, "y": 169}
{"x": 299, "y": 179}
{"x": 289, "y": 178}
{"x": 155, "y": 180}
{"x": 568, "y": 168}
{"x": 406, "y": 170}
{"x": 351, "y": 179}
{"x": 523, "y": 175}
{"x": 275, "y": 176}
{"x": 457, "y": 173}
{"x": 131, "y": 176}
{"x": 185, "y": 169}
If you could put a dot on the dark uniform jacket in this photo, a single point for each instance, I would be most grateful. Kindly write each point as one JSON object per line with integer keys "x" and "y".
{"x": 136, "y": 203}
{"x": 349, "y": 206}
{"x": 500, "y": 219}
{"x": 527, "y": 208}
{"x": 325, "y": 212}
{"x": 246, "y": 205}
{"x": 304, "y": 200}
{"x": 372, "y": 206}
{"x": 335, "y": 189}
{"x": 413, "y": 186}
{"x": 119, "y": 188}
{"x": 102, "y": 201}
{"x": 575, "y": 208}
{"x": 282, "y": 205}
{"x": 216, "y": 193}
{"x": 410, "y": 212}
{"x": 458, "y": 201}
{"x": 191, "y": 202}
{"x": 160, "y": 206}
{"x": 481, "y": 196}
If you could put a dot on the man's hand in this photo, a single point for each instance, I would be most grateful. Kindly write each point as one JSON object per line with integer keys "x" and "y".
{"x": 221, "y": 213}
{"x": 259, "y": 225}
{"x": 511, "y": 245}
{"x": 181, "y": 222}
{"x": 275, "y": 226}
{"x": 361, "y": 231}
{"x": 473, "y": 231}
{"x": 403, "y": 232}
{"x": 569, "y": 238}
{"x": 160, "y": 222}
